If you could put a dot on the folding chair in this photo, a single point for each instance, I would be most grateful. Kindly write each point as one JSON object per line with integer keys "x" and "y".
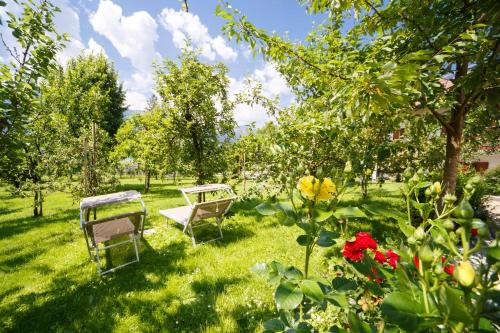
{"x": 99, "y": 232}
{"x": 190, "y": 216}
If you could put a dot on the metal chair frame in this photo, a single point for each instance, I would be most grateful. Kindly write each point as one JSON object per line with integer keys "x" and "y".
{"x": 94, "y": 247}
{"x": 189, "y": 223}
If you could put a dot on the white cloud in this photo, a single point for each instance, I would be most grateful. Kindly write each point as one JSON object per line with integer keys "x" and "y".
{"x": 273, "y": 85}
{"x": 95, "y": 48}
{"x": 183, "y": 26}
{"x": 136, "y": 100}
{"x": 133, "y": 36}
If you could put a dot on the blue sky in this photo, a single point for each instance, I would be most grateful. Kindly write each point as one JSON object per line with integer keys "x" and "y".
{"x": 134, "y": 33}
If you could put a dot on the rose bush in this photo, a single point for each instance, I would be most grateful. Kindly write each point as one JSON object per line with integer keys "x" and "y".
{"x": 427, "y": 284}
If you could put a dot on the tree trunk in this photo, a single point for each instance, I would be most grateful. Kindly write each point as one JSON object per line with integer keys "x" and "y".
{"x": 35, "y": 204}
{"x": 454, "y": 134}
{"x": 40, "y": 203}
{"x": 453, "y": 146}
{"x": 147, "y": 177}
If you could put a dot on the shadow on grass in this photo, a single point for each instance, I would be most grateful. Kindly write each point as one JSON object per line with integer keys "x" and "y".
{"x": 97, "y": 304}
{"x": 249, "y": 318}
{"x": 199, "y": 312}
{"x": 231, "y": 232}
{"x": 21, "y": 225}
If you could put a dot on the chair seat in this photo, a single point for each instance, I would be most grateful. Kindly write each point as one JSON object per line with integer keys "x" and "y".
{"x": 107, "y": 231}
{"x": 179, "y": 214}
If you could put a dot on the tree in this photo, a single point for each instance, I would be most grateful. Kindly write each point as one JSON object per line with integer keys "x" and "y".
{"x": 441, "y": 57}
{"x": 31, "y": 59}
{"x": 148, "y": 138}
{"x": 88, "y": 100}
{"x": 195, "y": 99}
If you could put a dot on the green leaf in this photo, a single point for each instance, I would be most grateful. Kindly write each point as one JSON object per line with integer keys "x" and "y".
{"x": 321, "y": 215}
{"x": 346, "y": 212}
{"x": 266, "y": 209}
{"x": 357, "y": 325}
{"x": 304, "y": 240}
{"x": 455, "y": 307}
{"x": 383, "y": 211}
{"x": 285, "y": 207}
{"x": 274, "y": 325}
{"x": 337, "y": 299}
{"x": 293, "y": 273}
{"x": 288, "y": 296}
{"x": 407, "y": 229}
{"x": 343, "y": 284}
{"x": 312, "y": 290}
{"x": 326, "y": 238}
{"x": 406, "y": 312}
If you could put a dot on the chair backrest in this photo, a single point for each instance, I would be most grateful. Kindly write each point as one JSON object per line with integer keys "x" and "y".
{"x": 137, "y": 219}
{"x": 205, "y": 210}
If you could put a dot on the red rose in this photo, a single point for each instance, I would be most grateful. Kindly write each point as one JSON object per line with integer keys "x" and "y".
{"x": 379, "y": 256}
{"x": 352, "y": 252}
{"x": 365, "y": 241}
{"x": 473, "y": 232}
{"x": 392, "y": 258}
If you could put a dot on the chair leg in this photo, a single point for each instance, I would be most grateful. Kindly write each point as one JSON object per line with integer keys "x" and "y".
{"x": 98, "y": 260}
{"x": 135, "y": 246}
{"x": 220, "y": 229}
{"x": 192, "y": 235}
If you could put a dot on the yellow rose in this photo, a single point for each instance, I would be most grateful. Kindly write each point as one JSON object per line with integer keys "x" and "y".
{"x": 326, "y": 190}
{"x": 314, "y": 190}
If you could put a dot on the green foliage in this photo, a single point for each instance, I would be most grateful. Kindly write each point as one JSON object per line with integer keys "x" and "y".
{"x": 392, "y": 62}
{"x": 33, "y": 56}
{"x": 491, "y": 182}
{"x": 148, "y": 138}
{"x": 85, "y": 105}
{"x": 194, "y": 97}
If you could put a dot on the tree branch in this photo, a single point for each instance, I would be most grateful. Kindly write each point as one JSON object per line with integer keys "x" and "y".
{"x": 442, "y": 121}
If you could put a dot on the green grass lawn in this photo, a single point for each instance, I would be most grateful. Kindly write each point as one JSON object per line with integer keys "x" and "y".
{"x": 48, "y": 283}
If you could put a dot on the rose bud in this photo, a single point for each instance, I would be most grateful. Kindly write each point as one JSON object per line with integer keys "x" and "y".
{"x": 465, "y": 274}
{"x": 425, "y": 254}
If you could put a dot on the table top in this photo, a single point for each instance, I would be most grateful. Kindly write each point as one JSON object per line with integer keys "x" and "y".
{"x": 206, "y": 188}
{"x": 99, "y": 200}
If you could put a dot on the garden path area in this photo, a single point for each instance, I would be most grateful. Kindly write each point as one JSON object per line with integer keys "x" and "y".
{"x": 47, "y": 282}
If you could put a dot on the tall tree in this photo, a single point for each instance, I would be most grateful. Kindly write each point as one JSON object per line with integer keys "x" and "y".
{"x": 148, "y": 138}
{"x": 439, "y": 56}
{"x": 195, "y": 98}
{"x": 32, "y": 56}
{"x": 89, "y": 100}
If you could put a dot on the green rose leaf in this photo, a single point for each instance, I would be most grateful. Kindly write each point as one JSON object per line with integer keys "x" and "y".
{"x": 274, "y": 325}
{"x": 343, "y": 284}
{"x": 338, "y": 299}
{"x": 304, "y": 240}
{"x": 293, "y": 273}
{"x": 406, "y": 312}
{"x": 266, "y": 209}
{"x": 326, "y": 238}
{"x": 312, "y": 290}
{"x": 346, "y": 212}
{"x": 320, "y": 215}
{"x": 456, "y": 309}
{"x": 288, "y": 296}
{"x": 357, "y": 325}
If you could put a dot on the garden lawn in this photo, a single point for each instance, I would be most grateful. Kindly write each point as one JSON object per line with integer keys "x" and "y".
{"x": 48, "y": 283}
